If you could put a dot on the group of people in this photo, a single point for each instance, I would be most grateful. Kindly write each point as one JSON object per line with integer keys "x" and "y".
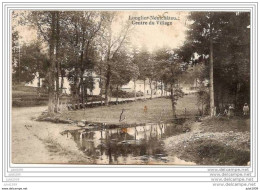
{"x": 230, "y": 111}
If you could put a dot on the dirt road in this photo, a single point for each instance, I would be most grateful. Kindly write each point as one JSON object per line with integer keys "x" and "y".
{"x": 40, "y": 142}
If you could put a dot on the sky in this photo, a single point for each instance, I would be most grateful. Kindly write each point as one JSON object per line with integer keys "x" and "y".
{"x": 159, "y": 34}
{"x": 166, "y": 33}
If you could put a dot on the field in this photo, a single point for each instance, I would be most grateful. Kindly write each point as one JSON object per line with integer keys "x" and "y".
{"x": 158, "y": 109}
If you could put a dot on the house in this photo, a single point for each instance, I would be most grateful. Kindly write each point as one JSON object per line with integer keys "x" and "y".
{"x": 144, "y": 87}
{"x": 66, "y": 84}
{"x": 188, "y": 88}
{"x": 36, "y": 80}
{"x": 141, "y": 86}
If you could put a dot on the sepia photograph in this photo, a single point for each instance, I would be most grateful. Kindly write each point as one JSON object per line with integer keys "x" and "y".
{"x": 130, "y": 87}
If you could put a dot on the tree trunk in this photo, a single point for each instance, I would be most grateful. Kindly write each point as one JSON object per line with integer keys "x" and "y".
{"x": 62, "y": 81}
{"x": 135, "y": 88}
{"x": 82, "y": 90}
{"x": 161, "y": 88}
{"x": 144, "y": 90}
{"x": 237, "y": 94}
{"x": 39, "y": 80}
{"x": 110, "y": 93}
{"x": 165, "y": 91}
{"x": 100, "y": 86}
{"x": 202, "y": 110}
{"x": 82, "y": 71}
{"x": 57, "y": 88}
{"x": 107, "y": 87}
{"x": 151, "y": 89}
{"x": 51, "y": 70}
{"x": 211, "y": 85}
{"x": 117, "y": 89}
{"x": 156, "y": 87}
{"x": 77, "y": 91}
{"x": 173, "y": 102}
{"x": 19, "y": 64}
{"x": 82, "y": 87}
{"x": 57, "y": 36}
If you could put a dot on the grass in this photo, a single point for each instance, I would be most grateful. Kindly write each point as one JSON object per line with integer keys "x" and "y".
{"x": 24, "y": 88}
{"x": 26, "y": 96}
{"x": 157, "y": 109}
{"x": 223, "y": 124}
{"x": 212, "y": 152}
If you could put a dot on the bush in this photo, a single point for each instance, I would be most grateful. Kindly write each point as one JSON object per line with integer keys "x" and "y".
{"x": 94, "y": 98}
{"x": 124, "y": 94}
{"x": 17, "y": 103}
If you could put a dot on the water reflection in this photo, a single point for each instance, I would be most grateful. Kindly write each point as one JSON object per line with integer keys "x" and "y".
{"x": 132, "y": 145}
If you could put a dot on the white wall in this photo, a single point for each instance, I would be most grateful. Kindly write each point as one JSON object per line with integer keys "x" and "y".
{"x": 66, "y": 85}
{"x": 140, "y": 87}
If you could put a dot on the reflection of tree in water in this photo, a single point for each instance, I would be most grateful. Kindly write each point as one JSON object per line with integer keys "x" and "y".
{"x": 143, "y": 141}
{"x": 123, "y": 148}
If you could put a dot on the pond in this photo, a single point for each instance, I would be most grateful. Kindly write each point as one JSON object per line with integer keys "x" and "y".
{"x": 128, "y": 145}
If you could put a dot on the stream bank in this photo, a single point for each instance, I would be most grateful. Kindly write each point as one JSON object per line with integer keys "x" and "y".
{"x": 217, "y": 141}
{"x": 211, "y": 142}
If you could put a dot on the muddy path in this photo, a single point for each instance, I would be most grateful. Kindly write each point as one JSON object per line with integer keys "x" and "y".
{"x": 41, "y": 142}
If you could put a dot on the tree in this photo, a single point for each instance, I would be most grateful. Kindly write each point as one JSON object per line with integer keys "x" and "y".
{"x": 229, "y": 34}
{"x": 16, "y": 56}
{"x": 15, "y": 48}
{"x": 143, "y": 62}
{"x": 135, "y": 69}
{"x": 73, "y": 47}
{"x": 233, "y": 71}
{"x": 121, "y": 70}
{"x": 32, "y": 63}
{"x": 111, "y": 43}
{"x": 205, "y": 31}
{"x": 202, "y": 99}
{"x": 47, "y": 24}
{"x": 171, "y": 72}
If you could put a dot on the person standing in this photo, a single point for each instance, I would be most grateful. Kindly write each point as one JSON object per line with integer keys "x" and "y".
{"x": 230, "y": 111}
{"x": 122, "y": 117}
{"x": 245, "y": 109}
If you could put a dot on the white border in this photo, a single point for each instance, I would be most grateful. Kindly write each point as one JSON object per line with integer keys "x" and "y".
{"x": 108, "y": 172}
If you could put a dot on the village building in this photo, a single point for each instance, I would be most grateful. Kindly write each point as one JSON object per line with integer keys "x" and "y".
{"x": 66, "y": 84}
{"x": 156, "y": 88}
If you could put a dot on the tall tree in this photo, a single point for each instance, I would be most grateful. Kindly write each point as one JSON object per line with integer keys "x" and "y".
{"x": 83, "y": 28}
{"x": 233, "y": 72}
{"x": 112, "y": 42}
{"x": 171, "y": 72}
{"x": 122, "y": 70}
{"x": 47, "y": 25}
{"x": 15, "y": 48}
{"x": 204, "y": 33}
{"x": 143, "y": 62}
{"x": 33, "y": 63}
{"x": 135, "y": 68}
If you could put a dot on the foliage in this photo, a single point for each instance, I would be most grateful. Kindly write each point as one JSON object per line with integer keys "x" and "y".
{"x": 124, "y": 94}
{"x": 231, "y": 37}
{"x": 32, "y": 62}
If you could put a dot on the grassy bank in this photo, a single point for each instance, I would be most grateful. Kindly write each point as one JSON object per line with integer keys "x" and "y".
{"x": 214, "y": 141}
{"x": 27, "y": 96}
{"x": 158, "y": 109}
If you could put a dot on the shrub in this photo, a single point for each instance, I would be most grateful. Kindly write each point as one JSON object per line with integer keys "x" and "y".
{"x": 124, "y": 94}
